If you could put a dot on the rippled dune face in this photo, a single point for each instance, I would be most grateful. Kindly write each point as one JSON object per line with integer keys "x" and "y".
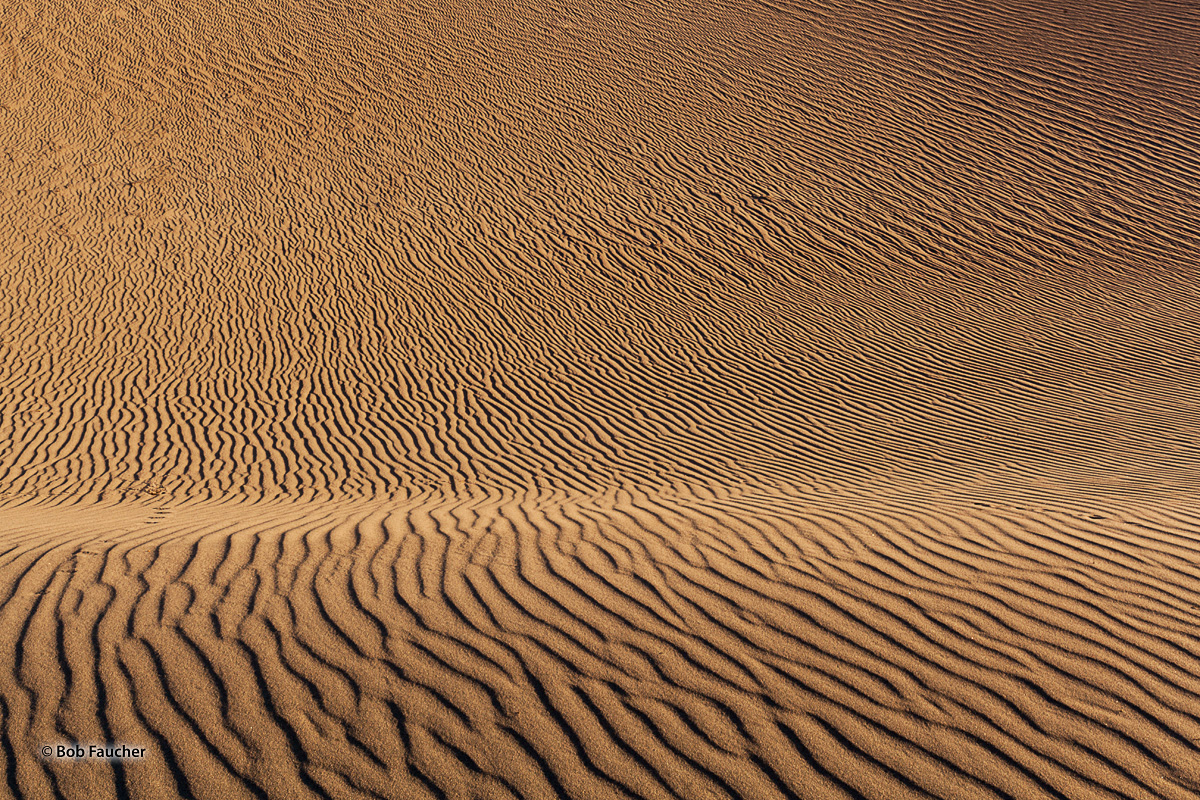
{"x": 751, "y": 399}
{"x": 326, "y": 249}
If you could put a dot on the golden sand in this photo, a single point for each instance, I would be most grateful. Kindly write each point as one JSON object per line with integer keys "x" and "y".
{"x": 750, "y": 399}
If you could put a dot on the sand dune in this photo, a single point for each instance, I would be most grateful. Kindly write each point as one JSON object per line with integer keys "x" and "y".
{"x": 754, "y": 399}
{"x": 623, "y": 646}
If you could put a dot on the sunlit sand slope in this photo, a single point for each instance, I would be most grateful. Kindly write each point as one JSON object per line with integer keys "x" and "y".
{"x": 627, "y": 646}
{"x": 320, "y": 249}
{"x": 747, "y": 399}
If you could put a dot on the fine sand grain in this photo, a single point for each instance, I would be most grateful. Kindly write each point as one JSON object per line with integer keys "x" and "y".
{"x": 747, "y": 399}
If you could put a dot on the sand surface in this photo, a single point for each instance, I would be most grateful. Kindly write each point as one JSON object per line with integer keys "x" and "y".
{"x": 478, "y": 399}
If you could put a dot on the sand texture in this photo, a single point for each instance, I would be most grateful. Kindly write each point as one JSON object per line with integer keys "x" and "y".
{"x": 745, "y": 399}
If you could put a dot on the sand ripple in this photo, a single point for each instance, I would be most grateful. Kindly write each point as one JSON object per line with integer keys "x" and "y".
{"x": 749, "y": 399}
{"x": 629, "y": 646}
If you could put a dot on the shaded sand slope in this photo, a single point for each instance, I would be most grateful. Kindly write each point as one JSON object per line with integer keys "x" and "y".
{"x": 745, "y": 399}
{"x": 319, "y": 250}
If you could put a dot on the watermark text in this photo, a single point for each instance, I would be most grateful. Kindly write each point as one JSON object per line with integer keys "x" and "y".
{"x": 92, "y": 752}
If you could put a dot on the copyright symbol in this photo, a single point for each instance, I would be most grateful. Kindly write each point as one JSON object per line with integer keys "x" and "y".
{"x": 47, "y": 751}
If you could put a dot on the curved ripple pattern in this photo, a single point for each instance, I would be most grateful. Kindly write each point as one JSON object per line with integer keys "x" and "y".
{"x": 633, "y": 646}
